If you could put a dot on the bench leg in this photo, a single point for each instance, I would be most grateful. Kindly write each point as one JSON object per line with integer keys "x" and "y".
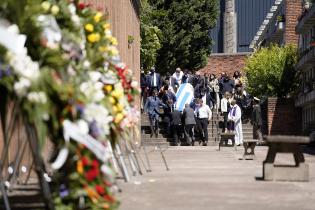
{"x": 249, "y": 150}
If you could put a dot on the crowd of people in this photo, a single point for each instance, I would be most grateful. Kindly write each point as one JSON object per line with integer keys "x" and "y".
{"x": 227, "y": 95}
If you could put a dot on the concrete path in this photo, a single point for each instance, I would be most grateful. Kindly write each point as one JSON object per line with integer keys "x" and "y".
{"x": 202, "y": 178}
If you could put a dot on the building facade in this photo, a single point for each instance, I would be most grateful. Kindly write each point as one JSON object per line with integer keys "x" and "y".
{"x": 237, "y": 23}
{"x": 279, "y": 25}
{"x": 306, "y": 68}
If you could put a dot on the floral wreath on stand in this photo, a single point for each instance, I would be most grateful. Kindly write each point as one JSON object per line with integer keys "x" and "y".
{"x": 70, "y": 82}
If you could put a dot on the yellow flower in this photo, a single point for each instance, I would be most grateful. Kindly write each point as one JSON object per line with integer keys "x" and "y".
{"x": 112, "y": 100}
{"x": 115, "y": 109}
{"x": 97, "y": 17}
{"x": 55, "y": 10}
{"x": 102, "y": 49}
{"x": 117, "y": 93}
{"x": 45, "y": 5}
{"x": 113, "y": 40}
{"x": 89, "y": 27}
{"x": 108, "y": 88}
{"x": 113, "y": 51}
{"x": 119, "y": 107}
{"x": 119, "y": 117}
{"x": 80, "y": 167}
{"x": 95, "y": 37}
{"x": 106, "y": 26}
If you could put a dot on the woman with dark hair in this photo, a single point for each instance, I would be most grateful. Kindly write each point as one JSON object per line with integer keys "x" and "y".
{"x": 237, "y": 79}
{"x": 214, "y": 90}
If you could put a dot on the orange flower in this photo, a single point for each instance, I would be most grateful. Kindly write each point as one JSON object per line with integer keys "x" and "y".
{"x": 80, "y": 167}
{"x": 92, "y": 194}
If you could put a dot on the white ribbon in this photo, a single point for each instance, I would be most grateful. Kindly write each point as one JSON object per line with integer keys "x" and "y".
{"x": 71, "y": 130}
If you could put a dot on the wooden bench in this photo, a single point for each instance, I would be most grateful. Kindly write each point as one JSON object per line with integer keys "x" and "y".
{"x": 225, "y": 137}
{"x": 249, "y": 149}
{"x": 286, "y": 144}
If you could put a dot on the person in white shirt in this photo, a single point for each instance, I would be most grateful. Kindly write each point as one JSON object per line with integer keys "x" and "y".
{"x": 225, "y": 109}
{"x": 178, "y": 75}
{"x": 235, "y": 115}
{"x": 203, "y": 114}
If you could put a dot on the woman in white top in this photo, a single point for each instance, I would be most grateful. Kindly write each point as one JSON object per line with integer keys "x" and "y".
{"x": 225, "y": 108}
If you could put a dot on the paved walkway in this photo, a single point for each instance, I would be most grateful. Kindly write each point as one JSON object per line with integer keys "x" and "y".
{"x": 202, "y": 178}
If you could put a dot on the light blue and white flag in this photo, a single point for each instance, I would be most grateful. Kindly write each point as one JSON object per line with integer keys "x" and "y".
{"x": 184, "y": 95}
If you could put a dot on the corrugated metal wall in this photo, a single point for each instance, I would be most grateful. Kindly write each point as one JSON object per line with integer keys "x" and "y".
{"x": 217, "y": 32}
{"x": 250, "y": 15}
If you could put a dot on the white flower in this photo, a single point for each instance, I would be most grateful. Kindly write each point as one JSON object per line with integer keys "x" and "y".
{"x": 24, "y": 66}
{"x": 37, "y": 97}
{"x": 93, "y": 91}
{"x": 45, "y": 116}
{"x": 21, "y": 86}
{"x": 134, "y": 84}
{"x": 95, "y": 76}
{"x": 72, "y": 9}
{"x": 75, "y": 19}
{"x": 98, "y": 113}
{"x": 86, "y": 64}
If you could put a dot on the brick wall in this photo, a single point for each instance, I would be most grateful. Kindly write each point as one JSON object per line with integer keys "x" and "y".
{"x": 293, "y": 8}
{"x": 283, "y": 117}
{"x": 225, "y": 63}
{"x": 124, "y": 22}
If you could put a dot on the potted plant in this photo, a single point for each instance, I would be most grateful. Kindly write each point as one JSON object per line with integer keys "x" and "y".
{"x": 280, "y": 21}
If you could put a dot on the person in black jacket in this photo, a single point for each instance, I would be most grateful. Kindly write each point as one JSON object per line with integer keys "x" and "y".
{"x": 176, "y": 125}
{"x": 167, "y": 117}
{"x": 143, "y": 85}
{"x": 190, "y": 122}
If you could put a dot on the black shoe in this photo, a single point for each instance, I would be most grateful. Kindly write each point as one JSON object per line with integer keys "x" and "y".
{"x": 156, "y": 135}
{"x": 193, "y": 143}
{"x": 205, "y": 143}
{"x": 151, "y": 135}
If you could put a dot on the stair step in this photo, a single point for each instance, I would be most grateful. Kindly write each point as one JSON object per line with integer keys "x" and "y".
{"x": 26, "y": 197}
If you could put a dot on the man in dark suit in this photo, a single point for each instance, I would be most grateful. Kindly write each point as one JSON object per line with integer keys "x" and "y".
{"x": 176, "y": 125}
{"x": 190, "y": 122}
{"x": 152, "y": 107}
{"x": 143, "y": 84}
{"x": 154, "y": 80}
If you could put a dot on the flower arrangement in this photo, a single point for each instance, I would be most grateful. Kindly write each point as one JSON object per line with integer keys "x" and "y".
{"x": 68, "y": 70}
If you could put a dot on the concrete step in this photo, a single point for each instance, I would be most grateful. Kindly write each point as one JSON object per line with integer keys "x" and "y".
{"x": 24, "y": 197}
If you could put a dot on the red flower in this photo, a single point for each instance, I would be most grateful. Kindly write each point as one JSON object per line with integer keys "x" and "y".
{"x": 95, "y": 164}
{"x": 82, "y": 5}
{"x": 85, "y": 161}
{"x": 91, "y": 174}
{"x": 130, "y": 98}
{"x": 100, "y": 189}
{"x": 109, "y": 198}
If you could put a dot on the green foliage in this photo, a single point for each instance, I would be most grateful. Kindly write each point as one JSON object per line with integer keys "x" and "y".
{"x": 270, "y": 71}
{"x": 150, "y": 37}
{"x": 185, "y": 26}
